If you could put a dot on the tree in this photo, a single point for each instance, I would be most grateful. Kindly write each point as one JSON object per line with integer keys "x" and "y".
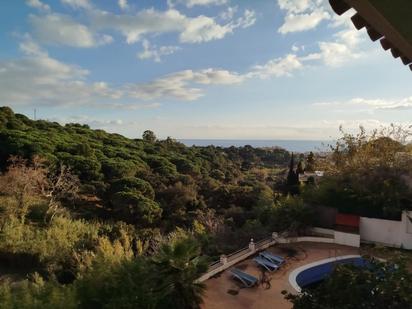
{"x": 310, "y": 162}
{"x": 367, "y": 174}
{"x": 300, "y": 169}
{"x": 292, "y": 180}
{"x": 117, "y": 168}
{"x": 22, "y": 182}
{"x": 134, "y": 207}
{"x": 379, "y": 285}
{"x": 179, "y": 264}
{"x": 289, "y": 214}
{"x": 133, "y": 184}
{"x": 28, "y": 182}
{"x": 61, "y": 185}
{"x": 149, "y": 136}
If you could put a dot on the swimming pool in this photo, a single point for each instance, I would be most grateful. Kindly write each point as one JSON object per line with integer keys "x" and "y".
{"x": 312, "y": 273}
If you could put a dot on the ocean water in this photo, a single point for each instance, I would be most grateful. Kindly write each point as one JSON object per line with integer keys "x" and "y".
{"x": 291, "y": 145}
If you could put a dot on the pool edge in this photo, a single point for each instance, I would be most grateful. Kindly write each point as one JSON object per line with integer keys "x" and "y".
{"x": 293, "y": 275}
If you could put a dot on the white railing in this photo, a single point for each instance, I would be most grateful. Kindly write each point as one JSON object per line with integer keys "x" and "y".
{"x": 227, "y": 261}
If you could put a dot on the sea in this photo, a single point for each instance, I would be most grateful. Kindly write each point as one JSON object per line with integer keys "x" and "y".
{"x": 290, "y": 145}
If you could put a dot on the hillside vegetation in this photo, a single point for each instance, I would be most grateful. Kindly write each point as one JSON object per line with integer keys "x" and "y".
{"x": 95, "y": 220}
{"x": 90, "y": 219}
{"x": 146, "y": 181}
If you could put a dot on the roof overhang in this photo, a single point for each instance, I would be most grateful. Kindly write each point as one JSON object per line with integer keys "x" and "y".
{"x": 378, "y": 26}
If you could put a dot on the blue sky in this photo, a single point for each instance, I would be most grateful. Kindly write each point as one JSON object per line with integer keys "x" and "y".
{"x": 229, "y": 69}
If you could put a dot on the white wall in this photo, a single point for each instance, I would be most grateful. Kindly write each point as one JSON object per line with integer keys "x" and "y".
{"x": 324, "y": 231}
{"x": 387, "y": 232}
{"x": 347, "y": 239}
{"x": 407, "y": 230}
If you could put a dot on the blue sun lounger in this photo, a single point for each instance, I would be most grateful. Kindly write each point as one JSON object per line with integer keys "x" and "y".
{"x": 278, "y": 260}
{"x": 270, "y": 266}
{"x": 246, "y": 279}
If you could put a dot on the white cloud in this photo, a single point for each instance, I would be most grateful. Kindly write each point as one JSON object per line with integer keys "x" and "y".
{"x": 31, "y": 48}
{"x": 155, "y": 53}
{"x": 40, "y": 80}
{"x": 229, "y": 13}
{"x": 203, "y": 29}
{"x": 335, "y": 54}
{"x": 302, "y": 15}
{"x": 133, "y": 27}
{"x": 123, "y": 4}
{"x": 191, "y": 29}
{"x": 303, "y": 22}
{"x": 179, "y": 85}
{"x": 63, "y": 30}
{"x": 248, "y": 19}
{"x": 37, "y": 77}
{"x": 185, "y": 85}
{"x": 295, "y": 6}
{"x": 344, "y": 48}
{"x": 37, "y": 4}
{"x": 375, "y": 104}
{"x": 296, "y": 48}
{"x": 277, "y": 67}
{"x": 192, "y": 3}
{"x": 83, "y": 4}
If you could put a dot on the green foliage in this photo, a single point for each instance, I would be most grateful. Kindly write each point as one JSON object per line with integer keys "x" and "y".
{"x": 310, "y": 162}
{"x": 133, "y": 184}
{"x": 149, "y": 136}
{"x": 290, "y": 214}
{"x": 136, "y": 207}
{"x": 108, "y": 164}
{"x": 179, "y": 265}
{"x": 37, "y": 294}
{"x": 55, "y": 246}
{"x": 367, "y": 174}
{"x": 118, "y": 168}
{"x": 292, "y": 179}
{"x": 151, "y": 187}
{"x": 380, "y": 285}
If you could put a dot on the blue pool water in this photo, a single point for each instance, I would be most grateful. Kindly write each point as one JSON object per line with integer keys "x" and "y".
{"x": 316, "y": 274}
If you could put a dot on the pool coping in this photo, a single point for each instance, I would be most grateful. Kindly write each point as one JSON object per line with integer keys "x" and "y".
{"x": 293, "y": 275}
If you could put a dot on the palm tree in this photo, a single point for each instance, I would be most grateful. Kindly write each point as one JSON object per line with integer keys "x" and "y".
{"x": 179, "y": 265}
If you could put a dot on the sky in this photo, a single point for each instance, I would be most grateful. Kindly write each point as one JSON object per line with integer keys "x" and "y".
{"x": 199, "y": 69}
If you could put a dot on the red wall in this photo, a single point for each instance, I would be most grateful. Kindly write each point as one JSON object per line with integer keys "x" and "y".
{"x": 347, "y": 220}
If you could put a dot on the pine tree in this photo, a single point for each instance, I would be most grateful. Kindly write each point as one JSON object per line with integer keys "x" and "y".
{"x": 293, "y": 177}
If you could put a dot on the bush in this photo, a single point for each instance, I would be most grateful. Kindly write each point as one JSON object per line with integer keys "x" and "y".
{"x": 134, "y": 207}
{"x": 118, "y": 168}
{"x": 133, "y": 184}
{"x": 290, "y": 215}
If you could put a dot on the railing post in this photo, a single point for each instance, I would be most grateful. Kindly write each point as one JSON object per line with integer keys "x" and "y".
{"x": 223, "y": 259}
{"x": 252, "y": 245}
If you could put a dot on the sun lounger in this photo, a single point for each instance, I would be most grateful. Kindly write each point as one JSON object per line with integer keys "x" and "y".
{"x": 273, "y": 258}
{"x": 270, "y": 266}
{"x": 246, "y": 279}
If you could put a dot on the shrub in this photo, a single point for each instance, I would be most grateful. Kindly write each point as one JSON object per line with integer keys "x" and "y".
{"x": 134, "y": 207}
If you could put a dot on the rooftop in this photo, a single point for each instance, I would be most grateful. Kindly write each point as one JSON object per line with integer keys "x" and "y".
{"x": 386, "y": 20}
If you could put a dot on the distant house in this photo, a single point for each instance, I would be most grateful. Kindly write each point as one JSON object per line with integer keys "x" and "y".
{"x": 308, "y": 177}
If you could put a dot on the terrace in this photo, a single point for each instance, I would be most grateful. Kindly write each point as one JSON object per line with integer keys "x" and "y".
{"x": 224, "y": 292}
